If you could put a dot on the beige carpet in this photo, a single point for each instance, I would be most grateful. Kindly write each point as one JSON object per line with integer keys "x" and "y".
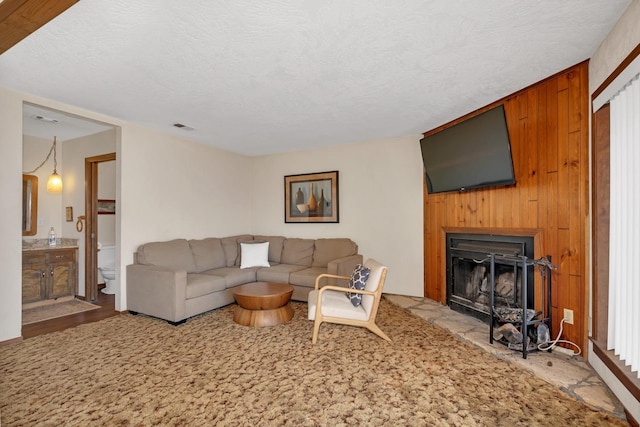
{"x": 51, "y": 311}
{"x": 139, "y": 371}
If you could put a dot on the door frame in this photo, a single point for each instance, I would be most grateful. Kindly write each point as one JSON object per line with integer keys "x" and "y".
{"x": 91, "y": 224}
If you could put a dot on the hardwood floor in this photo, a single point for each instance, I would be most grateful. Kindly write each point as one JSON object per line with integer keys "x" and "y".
{"x": 107, "y": 309}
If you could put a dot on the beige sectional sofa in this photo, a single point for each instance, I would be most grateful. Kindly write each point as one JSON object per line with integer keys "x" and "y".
{"x": 177, "y": 279}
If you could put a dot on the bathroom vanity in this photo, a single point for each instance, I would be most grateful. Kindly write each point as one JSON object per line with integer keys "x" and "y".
{"x": 49, "y": 273}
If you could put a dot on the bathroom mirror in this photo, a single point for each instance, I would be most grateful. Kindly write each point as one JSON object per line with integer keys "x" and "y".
{"x": 29, "y": 205}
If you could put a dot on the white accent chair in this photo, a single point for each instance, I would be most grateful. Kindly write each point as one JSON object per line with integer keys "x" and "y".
{"x": 330, "y": 303}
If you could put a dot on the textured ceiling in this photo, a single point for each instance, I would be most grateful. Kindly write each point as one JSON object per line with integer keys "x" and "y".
{"x": 46, "y": 123}
{"x": 264, "y": 77}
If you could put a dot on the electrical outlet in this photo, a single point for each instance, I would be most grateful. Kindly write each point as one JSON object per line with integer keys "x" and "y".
{"x": 568, "y": 316}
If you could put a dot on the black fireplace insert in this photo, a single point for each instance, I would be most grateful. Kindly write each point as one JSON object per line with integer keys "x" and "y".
{"x": 468, "y": 272}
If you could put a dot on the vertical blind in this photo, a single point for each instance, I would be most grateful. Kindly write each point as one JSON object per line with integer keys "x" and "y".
{"x": 624, "y": 238}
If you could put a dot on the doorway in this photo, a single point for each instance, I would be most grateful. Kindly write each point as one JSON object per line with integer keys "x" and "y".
{"x": 91, "y": 232}
{"x": 78, "y": 138}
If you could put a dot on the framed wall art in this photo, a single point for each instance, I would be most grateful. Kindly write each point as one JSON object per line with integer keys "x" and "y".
{"x": 311, "y": 198}
{"x": 106, "y": 207}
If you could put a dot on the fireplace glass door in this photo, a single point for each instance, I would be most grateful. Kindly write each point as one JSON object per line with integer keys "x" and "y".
{"x": 468, "y": 272}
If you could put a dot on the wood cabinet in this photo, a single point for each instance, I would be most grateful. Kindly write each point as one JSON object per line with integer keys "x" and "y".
{"x": 49, "y": 274}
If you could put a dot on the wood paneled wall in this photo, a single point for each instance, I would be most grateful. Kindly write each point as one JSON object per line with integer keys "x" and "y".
{"x": 549, "y": 131}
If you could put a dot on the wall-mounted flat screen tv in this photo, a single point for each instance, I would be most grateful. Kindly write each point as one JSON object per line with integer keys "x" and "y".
{"x": 475, "y": 153}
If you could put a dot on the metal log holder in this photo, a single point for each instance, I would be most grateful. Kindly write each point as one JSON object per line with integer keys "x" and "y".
{"x": 521, "y": 264}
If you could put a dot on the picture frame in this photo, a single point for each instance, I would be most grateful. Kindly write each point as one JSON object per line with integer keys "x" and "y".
{"x": 106, "y": 207}
{"x": 311, "y": 198}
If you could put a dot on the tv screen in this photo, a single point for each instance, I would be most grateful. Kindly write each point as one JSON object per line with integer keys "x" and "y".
{"x": 475, "y": 153}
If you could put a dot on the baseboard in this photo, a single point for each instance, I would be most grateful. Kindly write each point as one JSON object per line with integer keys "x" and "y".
{"x": 11, "y": 341}
{"x": 618, "y": 368}
{"x": 632, "y": 421}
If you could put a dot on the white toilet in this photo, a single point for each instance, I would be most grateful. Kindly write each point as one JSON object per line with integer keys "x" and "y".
{"x": 107, "y": 267}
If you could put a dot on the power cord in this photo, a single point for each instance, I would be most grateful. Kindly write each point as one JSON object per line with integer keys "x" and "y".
{"x": 558, "y": 340}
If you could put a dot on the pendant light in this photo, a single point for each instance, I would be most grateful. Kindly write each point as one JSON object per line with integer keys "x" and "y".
{"x": 54, "y": 183}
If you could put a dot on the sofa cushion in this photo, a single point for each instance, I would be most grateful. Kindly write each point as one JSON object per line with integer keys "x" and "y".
{"x": 358, "y": 281}
{"x": 232, "y": 248}
{"x": 203, "y": 284}
{"x": 234, "y": 276}
{"x": 336, "y": 305}
{"x": 243, "y": 239}
{"x": 298, "y": 252}
{"x": 275, "y": 246}
{"x": 173, "y": 254}
{"x": 329, "y": 249}
{"x": 306, "y": 277}
{"x": 254, "y": 255}
{"x": 207, "y": 254}
{"x": 278, "y": 273}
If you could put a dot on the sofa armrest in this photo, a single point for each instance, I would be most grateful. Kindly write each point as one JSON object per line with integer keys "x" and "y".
{"x": 342, "y": 267}
{"x": 328, "y": 276}
{"x": 157, "y": 291}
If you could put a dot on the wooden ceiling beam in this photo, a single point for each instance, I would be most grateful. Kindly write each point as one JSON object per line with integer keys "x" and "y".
{"x": 19, "y": 18}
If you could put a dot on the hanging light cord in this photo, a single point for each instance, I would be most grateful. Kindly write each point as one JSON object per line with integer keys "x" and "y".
{"x": 55, "y": 160}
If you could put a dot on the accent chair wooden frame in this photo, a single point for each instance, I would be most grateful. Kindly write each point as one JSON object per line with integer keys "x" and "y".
{"x": 369, "y": 323}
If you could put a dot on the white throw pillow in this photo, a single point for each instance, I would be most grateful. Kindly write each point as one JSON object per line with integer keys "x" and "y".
{"x": 254, "y": 255}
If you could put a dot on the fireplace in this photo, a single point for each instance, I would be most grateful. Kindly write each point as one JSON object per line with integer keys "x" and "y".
{"x": 468, "y": 272}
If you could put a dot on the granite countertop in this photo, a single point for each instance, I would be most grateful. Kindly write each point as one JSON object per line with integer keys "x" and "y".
{"x": 39, "y": 244}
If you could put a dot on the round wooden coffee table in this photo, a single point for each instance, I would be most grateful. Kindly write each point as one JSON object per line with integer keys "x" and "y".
{"x": 263, "y": 304}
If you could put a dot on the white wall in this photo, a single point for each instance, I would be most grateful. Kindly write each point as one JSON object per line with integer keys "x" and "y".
{"x": 618, "y": 44}
{"x": 10, "y": 214}
{"x": 380, "y": 195}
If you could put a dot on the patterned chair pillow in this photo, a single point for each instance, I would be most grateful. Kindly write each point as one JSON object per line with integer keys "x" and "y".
{"x": 358, "y": 281}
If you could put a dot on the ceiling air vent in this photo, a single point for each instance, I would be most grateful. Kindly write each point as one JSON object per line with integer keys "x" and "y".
{"x": 183, "y": 127}
{"x": 45, "y": 119}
